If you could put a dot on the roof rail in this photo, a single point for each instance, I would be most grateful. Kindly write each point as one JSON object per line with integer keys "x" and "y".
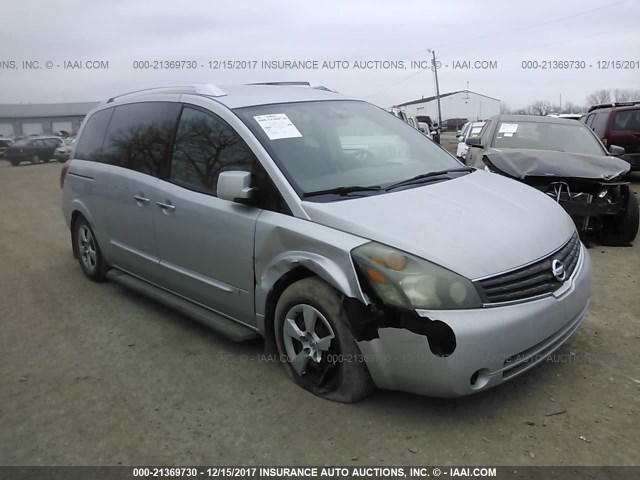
{"x": 196, "y": 88}
{"x": 313, "y": 85}
{"x": 613, "y": 104}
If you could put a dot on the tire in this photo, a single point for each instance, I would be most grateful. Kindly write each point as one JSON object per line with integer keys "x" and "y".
{"x": 87, "y": 250}
{"x": 327, "y": 362}
{"x": 628, "y": 224}
{"x": 625, "y": 227}
{"x": 14, "y": 162}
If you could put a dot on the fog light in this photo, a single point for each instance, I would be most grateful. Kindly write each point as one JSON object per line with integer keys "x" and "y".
{"x": 479, "y": 378}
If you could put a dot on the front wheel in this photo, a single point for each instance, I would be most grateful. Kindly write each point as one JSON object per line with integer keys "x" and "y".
{"x": 624, "y": 228}
{"x": 319, "y": 352}
{"x": 88, "y": 252}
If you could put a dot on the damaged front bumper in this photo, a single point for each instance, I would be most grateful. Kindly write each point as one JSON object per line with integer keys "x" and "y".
{"x": 493, "y": 344}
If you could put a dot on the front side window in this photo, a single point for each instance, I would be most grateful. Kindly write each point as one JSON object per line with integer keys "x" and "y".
{"x": 574, "y": 138}
{"x": 139, "y": 136}
{"x": 206, "y": 145}
{"x": 331, "y": 144}
{"x": 599, "y": 124}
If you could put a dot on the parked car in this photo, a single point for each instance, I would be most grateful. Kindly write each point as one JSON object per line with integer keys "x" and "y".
{"x": 32, "y": 149}
{"x": 4, "y": 143}
{"x": 389, "y": 265}
{"x": 470, "y": 129}
{"x": 62, "y": 152}
{"x": 565, "y": 160}
{"x": 420, "y": 126}
{"x": 618, "y": 124}
{"x": 453, "y": 124}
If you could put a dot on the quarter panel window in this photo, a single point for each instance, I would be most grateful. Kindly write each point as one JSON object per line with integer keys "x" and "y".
{"x": 139, "y": 136}
{"x": 90, "y": 142}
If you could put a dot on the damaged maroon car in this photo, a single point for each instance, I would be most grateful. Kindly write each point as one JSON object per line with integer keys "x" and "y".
{"x": 566, "y": 161}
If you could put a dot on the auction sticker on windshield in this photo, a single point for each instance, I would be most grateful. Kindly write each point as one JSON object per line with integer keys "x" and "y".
{"x": 508, "y": 129}
{"x": 277, "y": 126}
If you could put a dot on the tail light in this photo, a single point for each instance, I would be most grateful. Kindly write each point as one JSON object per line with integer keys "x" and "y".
{"x": 63, "y": 173}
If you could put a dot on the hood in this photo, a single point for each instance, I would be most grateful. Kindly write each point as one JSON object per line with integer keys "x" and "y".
{"x": 548, "y": 163}
{"x": 476, "y": 225}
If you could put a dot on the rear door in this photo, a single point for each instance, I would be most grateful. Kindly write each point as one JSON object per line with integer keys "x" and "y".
{"x": 136, "y": 151}
{"x": 205, "y": 243}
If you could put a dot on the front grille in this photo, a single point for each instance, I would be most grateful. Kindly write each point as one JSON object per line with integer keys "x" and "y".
{"x": 532, "y": 280}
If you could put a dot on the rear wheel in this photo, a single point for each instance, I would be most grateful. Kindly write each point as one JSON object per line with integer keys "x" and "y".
{"x": 317, "y": 348}
{"x": 14, "y": 162}
{"x": 88, "y": 252}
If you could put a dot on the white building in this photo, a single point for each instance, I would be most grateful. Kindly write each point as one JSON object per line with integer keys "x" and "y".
{"x": 461, "y": 104}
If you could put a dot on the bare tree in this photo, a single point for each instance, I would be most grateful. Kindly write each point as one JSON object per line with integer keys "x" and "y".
{"x": 625, "y": 95}
{"x": 504, "y": 108}
{"x": 570, "y": 107}
{"x": 599, "y": 96}
{"x": 539, "y": 107}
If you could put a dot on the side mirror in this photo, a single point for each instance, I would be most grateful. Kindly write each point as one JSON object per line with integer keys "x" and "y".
{"x": 474, "y": 142}
{"x": 616, "y": 151}
{"x": 234, "y": 186}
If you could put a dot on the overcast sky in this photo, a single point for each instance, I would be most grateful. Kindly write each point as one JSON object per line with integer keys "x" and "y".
{"x": 505, "y": 31}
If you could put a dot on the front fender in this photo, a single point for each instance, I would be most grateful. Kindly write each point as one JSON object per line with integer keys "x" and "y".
{"x": 283, "y": 243}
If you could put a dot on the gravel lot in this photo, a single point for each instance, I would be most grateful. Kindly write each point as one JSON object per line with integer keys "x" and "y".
{"x": 92, "y": 374}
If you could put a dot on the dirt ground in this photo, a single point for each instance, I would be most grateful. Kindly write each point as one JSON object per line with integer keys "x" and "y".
{"x": 92, "y": 374}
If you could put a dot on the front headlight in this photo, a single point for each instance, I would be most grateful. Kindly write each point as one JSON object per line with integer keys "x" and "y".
{"x": 403, "y": 280}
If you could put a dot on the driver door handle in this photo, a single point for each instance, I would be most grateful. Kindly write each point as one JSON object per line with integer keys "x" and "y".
{"x": 166, "y": 206}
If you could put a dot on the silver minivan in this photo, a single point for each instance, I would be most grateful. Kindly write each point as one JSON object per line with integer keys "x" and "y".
{"x": 364, "y": 254}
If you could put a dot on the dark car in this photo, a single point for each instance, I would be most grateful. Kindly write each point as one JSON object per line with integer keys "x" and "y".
{"x": 618, "y": 124}
{"x": 453, "y": 124}
{"x": 33, "y": 149}
{"x": 4, "y": 144}
{"x": 565, "y": 160}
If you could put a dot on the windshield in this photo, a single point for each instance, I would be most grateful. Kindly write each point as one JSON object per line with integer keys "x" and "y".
{"x": 574, "y": 138}
{"x": 330, "y": 144}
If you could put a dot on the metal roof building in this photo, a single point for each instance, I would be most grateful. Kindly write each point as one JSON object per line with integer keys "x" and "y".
{"x": 31, "y": 118}
{"x": 459, "y": 104}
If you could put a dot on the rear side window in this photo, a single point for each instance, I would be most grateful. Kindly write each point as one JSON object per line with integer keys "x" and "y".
{"x": 139, "y": 137}
{"x": 90, "y": 142}
{"x": 599, "y": 124}
{"x": 626, "y": 120}
{"x": 206, "y": 145}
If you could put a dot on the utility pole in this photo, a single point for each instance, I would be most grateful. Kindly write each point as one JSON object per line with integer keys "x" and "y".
{"x": 435, "y": 71}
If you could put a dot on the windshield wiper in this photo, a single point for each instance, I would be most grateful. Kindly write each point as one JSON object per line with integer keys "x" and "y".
{"x": 423, "y": 176}
{"x": 342, "y": 191}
